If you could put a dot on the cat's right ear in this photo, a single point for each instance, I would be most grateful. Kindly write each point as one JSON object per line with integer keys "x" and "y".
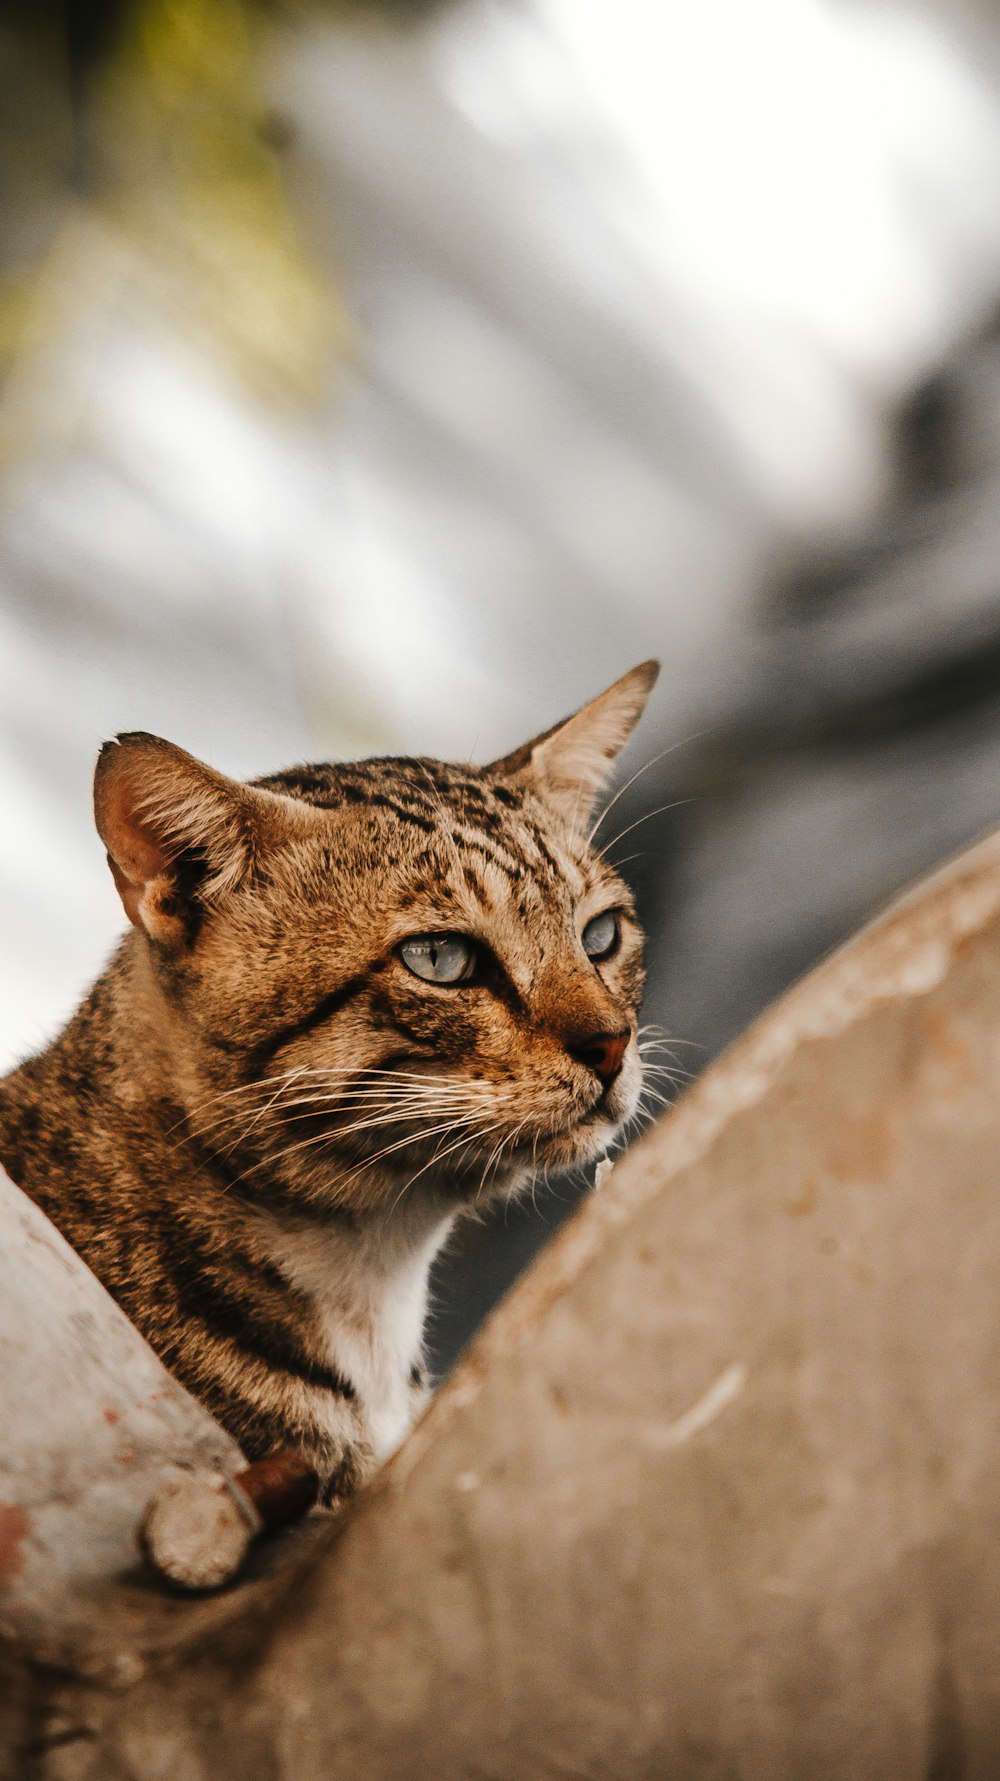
{"x": 569, "y": 763}
{"x": 178, "y": 834}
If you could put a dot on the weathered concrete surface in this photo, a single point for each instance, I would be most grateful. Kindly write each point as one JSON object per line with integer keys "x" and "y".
{"x": 715, "y": 1494}
{"x": 90, "y": 1420}
{"x": 90, "y": 1424}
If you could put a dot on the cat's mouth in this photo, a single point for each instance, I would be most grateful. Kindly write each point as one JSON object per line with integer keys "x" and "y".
{"x": 583, "y": 1137}
{"x": 583, "y": 1141}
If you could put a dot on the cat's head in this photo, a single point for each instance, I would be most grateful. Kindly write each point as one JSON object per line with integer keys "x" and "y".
{"x": 390, "y": 976}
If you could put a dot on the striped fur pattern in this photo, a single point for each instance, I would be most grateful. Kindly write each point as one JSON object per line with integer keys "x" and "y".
{"x": 261, "y": 1124}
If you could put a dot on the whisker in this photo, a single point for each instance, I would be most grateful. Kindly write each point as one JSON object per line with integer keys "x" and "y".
{"x": 328, "y": 1075}
{"x": 223, "y": 1094}
{"x": 424, "y": 1090}
{"x": 497, "y": 1153}
{"x": 323, "y": 1138}
{"x": 676, "y": 1071}
{"x": 261, "y": 1113}
{"x": 445, "y": 1093}
{"x": 657, "y": 758}
{"x": 661, "y": 810}
{"x": 440, "y": 1156}
{"x": 668, "y": 1038}
{"x": 446, "y": 1130}
{"x": 654, "y": 1095}
{"x": 317, "y": 1106}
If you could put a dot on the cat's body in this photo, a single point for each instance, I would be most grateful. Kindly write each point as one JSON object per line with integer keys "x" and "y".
{"x": 356, "y": 1001}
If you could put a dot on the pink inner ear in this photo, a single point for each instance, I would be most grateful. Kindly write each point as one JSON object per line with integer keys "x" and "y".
{"x": 140, "y": 864}
{"x": 137, "y": 854}
{"x": 151, "y": 802}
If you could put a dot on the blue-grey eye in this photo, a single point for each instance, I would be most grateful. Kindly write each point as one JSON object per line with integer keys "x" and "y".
{"x": 600, "y": 936}
{"x": 440, "y": 958}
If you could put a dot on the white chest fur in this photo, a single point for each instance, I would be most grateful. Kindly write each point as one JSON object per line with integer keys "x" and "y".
{"x": 368, "y": 1287}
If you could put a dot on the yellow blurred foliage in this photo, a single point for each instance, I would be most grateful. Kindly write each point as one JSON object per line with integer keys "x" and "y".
{"x": 197, "y": 185}
{"x": 183, "y": 206}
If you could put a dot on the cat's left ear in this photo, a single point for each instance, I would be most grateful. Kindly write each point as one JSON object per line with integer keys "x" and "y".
{"x": 569, "y": 763}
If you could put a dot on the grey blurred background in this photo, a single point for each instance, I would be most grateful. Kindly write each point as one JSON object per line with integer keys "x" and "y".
{"x": 390, "y": 379}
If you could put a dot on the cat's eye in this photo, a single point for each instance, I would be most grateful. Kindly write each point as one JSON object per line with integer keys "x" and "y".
{"x": 440, "y": 958}
{"x": 600, "y": 936}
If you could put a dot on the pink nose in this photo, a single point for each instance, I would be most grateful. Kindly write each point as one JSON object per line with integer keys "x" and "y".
{"x": 603, "y": 1053}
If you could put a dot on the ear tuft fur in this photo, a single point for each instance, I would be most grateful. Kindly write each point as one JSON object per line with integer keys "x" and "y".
{"x": 569, "y": 763}
{"x": 179, "y": 835}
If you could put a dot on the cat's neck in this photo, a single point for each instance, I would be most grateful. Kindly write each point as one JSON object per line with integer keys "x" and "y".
{"x": 367, "y": 1283}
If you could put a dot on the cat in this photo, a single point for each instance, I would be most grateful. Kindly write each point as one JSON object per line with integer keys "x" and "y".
{"x": 356, "y": 1000}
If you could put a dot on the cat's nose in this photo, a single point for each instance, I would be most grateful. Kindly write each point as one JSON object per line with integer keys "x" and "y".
{"x": 602, "y": 1052}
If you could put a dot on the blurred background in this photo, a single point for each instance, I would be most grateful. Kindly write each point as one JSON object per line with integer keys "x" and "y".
{"x": 392, "y": 378}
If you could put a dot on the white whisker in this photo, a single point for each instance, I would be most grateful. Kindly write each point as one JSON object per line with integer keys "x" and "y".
{"x": 660, "y": 810}
{"x": 657, "y": 758}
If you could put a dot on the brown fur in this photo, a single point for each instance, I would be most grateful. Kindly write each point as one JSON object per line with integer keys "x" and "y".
{"x": 259, "y": 1126}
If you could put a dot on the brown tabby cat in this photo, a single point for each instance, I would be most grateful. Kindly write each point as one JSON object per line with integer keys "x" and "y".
{"x": 356, "y": 1000}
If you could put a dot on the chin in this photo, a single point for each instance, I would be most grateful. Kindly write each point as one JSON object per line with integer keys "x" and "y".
{"x": 589, "y": 1138}
{"x": 574, "y": 1148}
{"x": 584, "y": 1143}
